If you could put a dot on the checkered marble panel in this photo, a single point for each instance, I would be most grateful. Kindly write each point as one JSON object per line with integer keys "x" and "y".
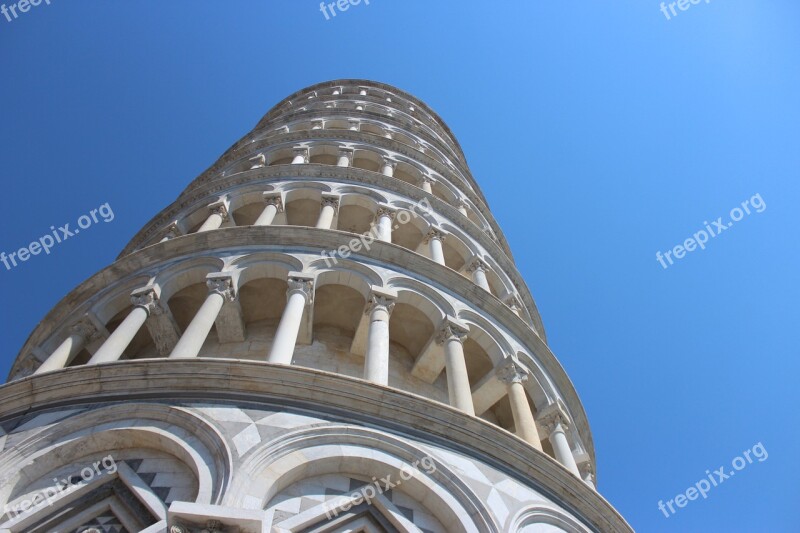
{"x": 313, "y": 492}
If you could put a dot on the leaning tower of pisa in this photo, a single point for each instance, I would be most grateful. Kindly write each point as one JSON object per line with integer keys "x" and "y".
{"x": 325, "y": 332}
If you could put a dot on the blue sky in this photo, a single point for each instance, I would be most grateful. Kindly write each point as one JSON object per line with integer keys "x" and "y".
{"x": 600, "y": 132}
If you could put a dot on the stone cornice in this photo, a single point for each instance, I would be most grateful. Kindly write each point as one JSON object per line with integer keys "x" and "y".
{"x": 348, "y": 399}
{"x": 356, "y": 175}
{"x": 301, "y": 239}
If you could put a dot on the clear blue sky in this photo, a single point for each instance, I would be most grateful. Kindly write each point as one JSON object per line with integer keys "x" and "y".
{"x": 600, "y": 132}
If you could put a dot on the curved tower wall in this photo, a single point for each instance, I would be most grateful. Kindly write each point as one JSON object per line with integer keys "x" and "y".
{"x": 332, "y": 301}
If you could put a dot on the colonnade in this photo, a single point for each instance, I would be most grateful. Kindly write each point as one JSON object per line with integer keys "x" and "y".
{"x": 222, "y": 290}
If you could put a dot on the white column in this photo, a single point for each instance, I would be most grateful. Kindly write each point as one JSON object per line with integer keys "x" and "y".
{"x": 172, "y": 232}
{"x": 219, "y": 214}
{"x": 145, "y": 302}
{"x": 299, "y": 294}
{"x": 274, "y": 206}
{"x": 434, "y": 238}
{"x": 462, "y": 208}
{"x": 317, "y": 125}
{"x": 376, "y": 363}
{"x": 388, "y": 167}
{"x": 330, "y": 204}
{"x": 478, "y": 268}
{"x": 345, "y": 157}
{"x": 79, "y": 335}
{"x": 300, "y": 156}
{"x": 221, "y": 289}
{"x": 513, "y": 375}
{"x": 355, "y": 125}
{"x": 427, "y": 185}
{"x": 385, "y": 216}
{"x": 555, "y": 420}
{"x": 452, "y": 337}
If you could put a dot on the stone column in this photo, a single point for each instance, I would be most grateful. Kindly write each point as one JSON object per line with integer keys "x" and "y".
{"x": 80, "y": 334}
{"x": 172, "y": 232}
{"x": 330, "y": 203}
{"x": 385, "y": 216}
{"x": 388, "y": 167}
{"x": 452, "y": 337}
{"x": 300, "y": 156}
{"x": 219, "y": 214}
{"x": 478, "y": 269}
{"x": 376, "y": 363}
{"x": 556, "y": 422}
{"x": 355, "y": 125}
{"x": 274, "y": 206}
{"x": 434, "y": 239}
{"x": 145, "y": 302}
{"x": 299, "y": 295}
{"x": 317, "y": 124}
{"x": 345, "y": 157}
{"x": 427, "y": 185}
{"x": 513, "y": 375}
{"x": 221, "y": 289}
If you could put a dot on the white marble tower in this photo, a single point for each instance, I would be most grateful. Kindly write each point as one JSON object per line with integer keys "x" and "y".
{"x": 326, "y": 331}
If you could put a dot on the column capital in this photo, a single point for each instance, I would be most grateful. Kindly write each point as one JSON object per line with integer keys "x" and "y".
{"x": 148, "y": 298}
{"x": 387, "y": 161}
{"x": 513, "y": 302}
{"x": 222, "y": 283}
{"x": 512, "y": 372}
{"x": 86, "y": 329}
{"x": 331, "y": 200}
{"x": 435, "y": 233}
{"x": 274, "y": 198}
{"x": 380, "y": 297}
{"x": 429, "y": 179}
{"x": 172, "y": 230}
{"x": 258, "y": 161}
{"x": 451, "y": 329}
{"x": 219, "y": 208}
{"x": 302, "y": 151}
{"x": 386, "y": 211}
{"x": 300, "y": 283}
{"x": 586, "y": 469}
{"x": 476, "y": 263}
{"x": 317, "y": 124}
{"x": 355, "y": 125}
{"x": 553, "y": 417}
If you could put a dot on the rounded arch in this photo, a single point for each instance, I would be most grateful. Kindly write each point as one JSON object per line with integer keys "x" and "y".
{"x": 362, "y": 453}
{"x": 540, "y": 519}
{"x": 177, "y": 277}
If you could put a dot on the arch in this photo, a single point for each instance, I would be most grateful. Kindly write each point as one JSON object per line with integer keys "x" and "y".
{"x": 540, "y": 519}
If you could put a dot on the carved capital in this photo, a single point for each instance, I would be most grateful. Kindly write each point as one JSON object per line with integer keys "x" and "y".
{"x": 512, "y": 372}
{"x": 386, "y": 211}
{"x": 222, "y": 284}
{"x": 451, "y": 330}
{"x": 380, "y": 298}
{"x": 388, "y": 162}
{"x": 148, "y": 298}
{"x": 554, "y": 417}
{"x": 86, "y": 329}
{"x": 303, "y": 284}
{"x": 274, "y": 198}
{"x": 331, "y": 200}
{"x": 258, "y": 161}
{"x": 219, "y": 208}
{"x": 435, "y": 233}
{"x": 301, "y": 151}
{"x": 172, "y": 230}
{"x": 476, "y": 263}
